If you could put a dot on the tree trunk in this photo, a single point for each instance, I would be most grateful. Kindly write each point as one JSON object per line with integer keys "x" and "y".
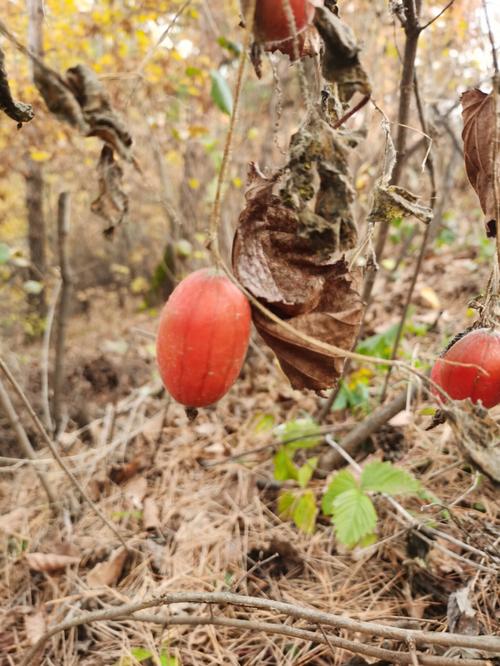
{"x": 34, "y": 178}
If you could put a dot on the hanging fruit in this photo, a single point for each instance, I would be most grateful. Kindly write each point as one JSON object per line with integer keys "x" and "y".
{"x": 202, "y": 338}
{"x": 480, "y": 380}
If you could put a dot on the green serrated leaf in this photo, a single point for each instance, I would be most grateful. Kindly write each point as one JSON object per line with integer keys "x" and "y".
{"x": 341, "y": 482}
{"x": 4, "y": 253}
{"x": 286, "y": 501}
{"x": 284, "y": 467}
{"x": 304, "y": 513}
{"x": 33, "y": 287}
{"x": 221, "y": 94}
{"x": 306, "y": 471}
{"x": 354, "y": 516}
{"x": 302, "y": 431}
{"x": 384, "y": 477}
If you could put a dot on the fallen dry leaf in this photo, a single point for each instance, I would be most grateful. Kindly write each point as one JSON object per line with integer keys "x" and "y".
{"x": 150, "y": 514}
{"x": 50, "y": 562}
{"x": 314, "y": 293}
{"x": 108, "y": 572}
{"x": 461, "y": 615}
{"x": 13, "y": 521}
{"x": 36, "y": 626}
{"x": 478, "y": 112}
{"x": 135, "y": 490}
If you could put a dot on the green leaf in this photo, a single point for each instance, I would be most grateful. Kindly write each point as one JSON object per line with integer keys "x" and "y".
{"x": 284, "y": 468}
{"x": 167, "y": 660}
{"x": 4, "y": 253}
{"x": 286, "y": 502}
{"x": 141, "y": 654}
{"x": 354, "y": 516}
{"x": 341, "y": 482}
{"x": 33, "y": 287}
{"x": 232, "y": 47}
{"x": 379, "y": 345}
{"x": 264, "y": 423}
{"x": 384, "y": 477}
{"x": 302, "y": 431}
{"x": 221, "y": 93}
{"x": 306, "y": 471}
{"x": 304, "y": 513}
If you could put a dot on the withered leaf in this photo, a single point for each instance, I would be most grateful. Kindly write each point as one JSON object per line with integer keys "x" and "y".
{"x": 108, "y": 572}
{"x": 81, "y": 100}
{"x": 50, "y": 562}
{"x": 112, "y": 202}
{"x": 461, "y": 615}
{"x": 315, "y": 293}
{"x": 393, "y": 201}
{"x": 36, "y": 626}
{"x": 478, "y": 113}
{"x": 18, "y": 111}
{"x": 340, "y": 60}
{"x": 318, "y": 169}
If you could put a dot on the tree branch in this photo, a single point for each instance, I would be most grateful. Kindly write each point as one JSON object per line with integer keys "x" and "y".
{"x": 443, "y": 639}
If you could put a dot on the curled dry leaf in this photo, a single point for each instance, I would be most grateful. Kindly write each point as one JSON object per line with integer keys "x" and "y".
{"x": 18, "y": 111}
{"x": 112, "y": 202}
{"x": 108, "y": 572}
{"x": 36, "y": 626}
{"x": 80, "y": 100}
{"x": 393, "y": 201}
{"x": 50, "y": 562}
{"x": 480, "y": 120}
{"x": 340, "y": 59}
{"x": 315, "y": 293}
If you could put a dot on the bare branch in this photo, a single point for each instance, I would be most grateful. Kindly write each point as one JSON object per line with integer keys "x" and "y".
{"x": 445, "y": 8}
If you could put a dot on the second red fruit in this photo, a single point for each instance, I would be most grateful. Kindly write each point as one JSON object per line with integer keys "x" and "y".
{"x": 481, "y": 348}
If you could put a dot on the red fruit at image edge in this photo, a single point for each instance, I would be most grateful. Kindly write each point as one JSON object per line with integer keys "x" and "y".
{"x": 480, "y": 347}
{"x": 202, "y": 338}
{"x": 271, "y": 21}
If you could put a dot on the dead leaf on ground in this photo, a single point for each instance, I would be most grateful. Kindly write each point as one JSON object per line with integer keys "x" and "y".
{"x": 13, "y": 521}
{"x": 121, "y": 473}
{"x": 18, "y": 111}
{"x": 36, "y": 626}
{"x": 151, "y": 514}
{"x": 50, "y": 562}
{"x": 461, "y": 614}
{"x": 315, "y": 294}
{"x": 135, "y": 491}
{"x": 108, "y": 572}
{"x": 478, "y": 112}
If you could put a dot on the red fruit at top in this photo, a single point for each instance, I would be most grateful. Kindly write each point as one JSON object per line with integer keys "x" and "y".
{"x": 271, "y": 22}
{"x": 481, "y": 348}
{"x": 202, "y": 338}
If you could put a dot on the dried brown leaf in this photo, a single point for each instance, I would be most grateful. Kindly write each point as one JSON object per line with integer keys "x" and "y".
{"x": 151, "y": 514}
{"x": 394, "y": 201}
{"x": 111, "y": 203}
{"x": 340, "y": 60}
{"x": 18, "y": 111}
{"x": 36, "y": 626}
{"x": 50, "y": 562}
{"x": 135, "y": 490}
{"x": 478, "y": 112}
{"x": 108, "y": 572}
{"x": 461, "y": 614}
{"x": 14, "y": 520}
{"x": 314, "y": 293}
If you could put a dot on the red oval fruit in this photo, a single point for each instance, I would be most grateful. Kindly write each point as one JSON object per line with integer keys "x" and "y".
{"x": 480, "y": 347}
{"x": 202, "y": 338}
{"x": 271, "y": 21}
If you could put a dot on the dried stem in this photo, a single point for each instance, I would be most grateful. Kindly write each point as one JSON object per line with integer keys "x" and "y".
{"x": 49, "y": 322}
{"x": 43, "y": 433}
{"x": 443, "y": 639}
{"x": 63, "y": 217}
{"x": 25, "y": 444}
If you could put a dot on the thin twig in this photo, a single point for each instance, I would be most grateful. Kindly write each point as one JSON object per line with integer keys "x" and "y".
{"x": 445, "y": 8}
{"x": 63, "y": 217}
{"x": 43, "y": 433}
{"x": 25, "y": 444}
{"x": 124, "y": 611}
{"x": 45, "y": 356}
